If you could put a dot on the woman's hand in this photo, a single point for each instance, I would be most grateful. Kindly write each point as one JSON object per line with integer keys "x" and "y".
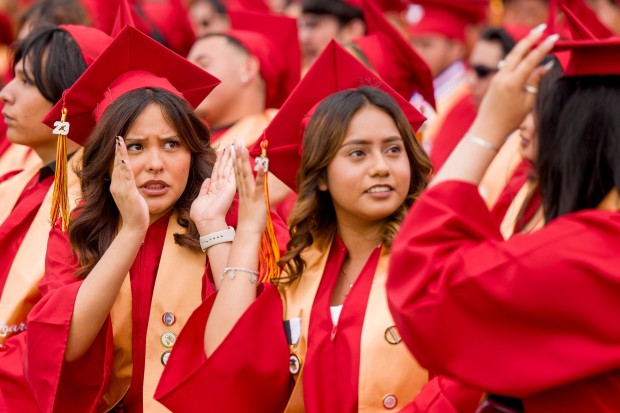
{"x": 131, "y": 205}
{"x": 252, "y": 205}
{"x": 209, "y": 209}
{"x": 513, "y": 90}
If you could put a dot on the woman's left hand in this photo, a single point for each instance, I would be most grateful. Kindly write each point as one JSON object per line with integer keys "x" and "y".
{"x": 209, "y": 208}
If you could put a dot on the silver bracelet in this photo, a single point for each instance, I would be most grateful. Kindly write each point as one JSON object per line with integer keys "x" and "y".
{"x": 481, "y": 142}
{"x": 231, "y": 271}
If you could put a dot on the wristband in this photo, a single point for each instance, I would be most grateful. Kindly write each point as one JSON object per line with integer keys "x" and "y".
{"x": 214, "y": 238}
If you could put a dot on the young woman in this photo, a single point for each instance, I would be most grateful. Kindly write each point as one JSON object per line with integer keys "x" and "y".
{"x": 120, "y": 285}
{"x": 361, "y": 169}
{"x": 46, "y": 62}
{"x": 537, "y": 308}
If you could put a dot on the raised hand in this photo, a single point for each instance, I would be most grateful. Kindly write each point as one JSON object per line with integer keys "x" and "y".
{"x": 131, "y": 205}
{"x": 252, "y": 206}
{"x": 216, "y": 194}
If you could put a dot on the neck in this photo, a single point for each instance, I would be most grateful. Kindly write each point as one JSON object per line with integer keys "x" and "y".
{"x": 243, "y": 106}
{"x": 360, "y": 240}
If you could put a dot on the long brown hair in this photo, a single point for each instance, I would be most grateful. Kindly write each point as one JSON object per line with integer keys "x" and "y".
{"x": 95, "y": 222}
{"x": 313, "y": 218}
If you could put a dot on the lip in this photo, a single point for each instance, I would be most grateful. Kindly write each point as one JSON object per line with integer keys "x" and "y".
{"x": 154, "y": 188}
{"x": 6, "y": 117}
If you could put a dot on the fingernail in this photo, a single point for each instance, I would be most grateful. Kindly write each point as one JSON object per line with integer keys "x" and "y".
{"x": 552, "y": 39}
{"x": 123, "y": 161}
{"x": 539, "y": 29}
{"x": 548, "y": 65}
{"x": 233, "y": 150}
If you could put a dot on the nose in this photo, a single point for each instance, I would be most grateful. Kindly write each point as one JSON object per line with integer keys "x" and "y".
{"x": 5, "y": 94}
{"x": 155, "y": 164}
{"x": 380, "y": 165}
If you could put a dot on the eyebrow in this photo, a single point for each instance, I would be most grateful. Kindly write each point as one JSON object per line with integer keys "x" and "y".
{"x": 161, "y": 138}
{"x": 367, "y": 142}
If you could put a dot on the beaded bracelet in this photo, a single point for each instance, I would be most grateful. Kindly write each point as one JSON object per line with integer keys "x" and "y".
{"x": 231, "y": 271}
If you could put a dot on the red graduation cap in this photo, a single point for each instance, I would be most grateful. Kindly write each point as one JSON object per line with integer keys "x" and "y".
{"x": 448, "y": 17}
{"x": 132, "y": 61}
{"x": 247, "y": 5}
{"x": 582, "y": 21}
{"x": 334, "y": 70}
{"x": 393, "y": 57}
{"x": 273, "y": 40}
{"x": 92, "y": 42}
{"x": 392, "y": 5}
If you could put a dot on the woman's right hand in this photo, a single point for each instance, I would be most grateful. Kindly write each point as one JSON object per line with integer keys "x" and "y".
{"x": 252, "y": 206}
{"x": 131, "y": 205}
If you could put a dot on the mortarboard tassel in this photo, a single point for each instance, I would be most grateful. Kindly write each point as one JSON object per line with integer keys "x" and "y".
{"x": 269, "y": 251}
{"x": 60, "y": 202}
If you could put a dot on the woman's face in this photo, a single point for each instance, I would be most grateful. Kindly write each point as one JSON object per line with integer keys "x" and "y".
{"x": 159, "y": 160}
{"x": 369, "y": 177}
{"x": 24, "y": 109}
{"x": 529, "y": 140}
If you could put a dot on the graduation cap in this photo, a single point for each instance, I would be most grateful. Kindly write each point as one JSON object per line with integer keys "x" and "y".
{"x": 582, "y": 21}
{"x": 334, "y": 70}
{"x": 131, "y": 61}
{"x": 393, "y": 57}
{"x": 247, "y": 5}
{"x": 448, "y": 17}
{"x": 273, "y": 40}
{"x": 92, "y": 42}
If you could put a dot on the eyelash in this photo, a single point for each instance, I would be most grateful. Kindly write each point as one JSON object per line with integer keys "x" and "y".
{"x": 138, "y": 146}
{"x": 360, "y": 151}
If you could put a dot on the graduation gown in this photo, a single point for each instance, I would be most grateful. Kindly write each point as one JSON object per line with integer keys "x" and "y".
{"x": 528, "y": 318}
{"x": 23, "y": 238}
{"x": 357, "y": 365}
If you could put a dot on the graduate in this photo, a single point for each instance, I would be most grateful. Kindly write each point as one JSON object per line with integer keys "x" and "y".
{"x": 121, "y": 283}
{"x": 46, "y": 63}
{"x": 528, "y": 318}
{"x": 359, "y": 170}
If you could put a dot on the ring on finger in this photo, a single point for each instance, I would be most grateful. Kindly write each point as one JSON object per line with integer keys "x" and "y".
{"x": 501, "y": 64}
{"x": 530, "y": 89}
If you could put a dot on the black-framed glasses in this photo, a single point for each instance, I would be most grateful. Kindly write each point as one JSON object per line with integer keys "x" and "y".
{"x": 483, "y": 71}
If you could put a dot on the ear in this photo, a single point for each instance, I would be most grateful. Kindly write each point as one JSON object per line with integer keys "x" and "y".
{"x": 250, "y": 69}
{"x": 354, "y": 29}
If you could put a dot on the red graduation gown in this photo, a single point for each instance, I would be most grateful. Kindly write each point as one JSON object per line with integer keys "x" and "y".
{"x": 77, "y": 386}
{"x": 531, "y": 317}
{"x": 15, "y": 395}
{"x": 261, "y": 376}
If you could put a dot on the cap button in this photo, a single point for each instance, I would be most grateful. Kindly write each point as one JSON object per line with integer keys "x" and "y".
{"x": 390, "y": 401}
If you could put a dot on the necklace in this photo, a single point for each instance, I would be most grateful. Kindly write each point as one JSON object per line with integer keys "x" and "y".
{"x": 348, "y": 280}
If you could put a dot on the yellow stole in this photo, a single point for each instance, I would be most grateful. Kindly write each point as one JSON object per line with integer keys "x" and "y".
{"x": 247, "y": 129}
{"x": 18, "y": 157}
{"x": 611, "y": 202}
{"x": 510, "y": 218}
{"x": 21, "y": 290}
{"x": 385, "y": 369}
{"x": 178, "y": 289}
{"x": 11, "y": 189}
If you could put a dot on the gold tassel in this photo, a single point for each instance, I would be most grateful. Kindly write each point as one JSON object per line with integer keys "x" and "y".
{"x": 60, "y": 202}
{"x": 269, "y": 251}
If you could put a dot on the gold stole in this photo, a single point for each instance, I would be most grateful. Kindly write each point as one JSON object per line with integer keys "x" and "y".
{"x": 18, "y": 157}
{"x": 510, "y": 218}
{"x": 11, "y": 189}
{"x": 21, "y": 290}
{"x": 247, "y": 129}
{"x": 384, "y": 368}
{"x": 611, "y": 202}
{"x": 178, "y": 289}
{"x": 438, "y": 121}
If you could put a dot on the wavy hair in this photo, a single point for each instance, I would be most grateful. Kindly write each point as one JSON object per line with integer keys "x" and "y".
{"x": 96, "y": 220}
{"x": 313, "y": 218}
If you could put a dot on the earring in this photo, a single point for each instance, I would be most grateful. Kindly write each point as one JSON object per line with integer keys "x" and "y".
{"x": 244, "y": 78}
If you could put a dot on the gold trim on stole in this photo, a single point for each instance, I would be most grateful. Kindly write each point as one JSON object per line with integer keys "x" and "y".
{"x": 375, "y": 380}
{"x": 21, "y": 291}
{"x": 178, "y": 289}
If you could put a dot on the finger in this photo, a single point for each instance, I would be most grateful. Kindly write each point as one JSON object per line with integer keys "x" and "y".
{"x": 533, "y": 59}
{"x": 216, "y": 165}
{"x": 221, "y": 172}
{"x": 522, "y": 48}
{"x": 204, "y": 188}
{"x": 229, "y": 172}
{"x": 259, "y": 191}
{"x": 238, "y": 169}
{"x": 125, "y": 166}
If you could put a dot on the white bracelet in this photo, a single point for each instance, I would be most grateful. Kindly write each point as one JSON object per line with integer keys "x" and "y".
{"x": 214, "y": 238}
{"x": 481, "y": 142}
{"x": 231, "y": 271}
